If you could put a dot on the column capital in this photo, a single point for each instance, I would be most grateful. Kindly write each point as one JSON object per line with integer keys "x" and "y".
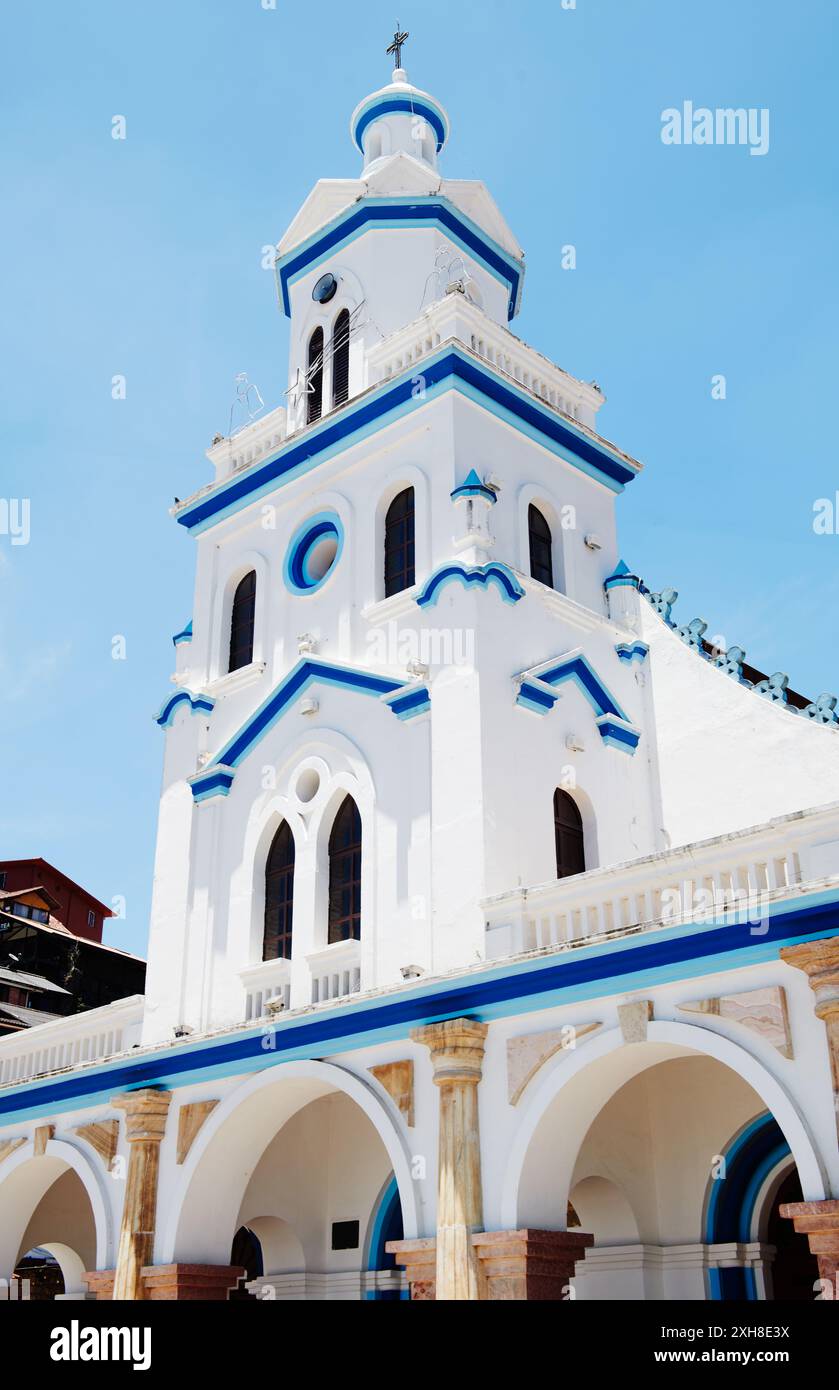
{"x": 457, "y": 1049}
{"x": 820, "y": 962}
{"x": 145, "y": 1114}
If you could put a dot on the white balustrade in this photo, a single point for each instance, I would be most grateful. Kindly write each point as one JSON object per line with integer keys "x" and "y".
{"x": 70, "y": 1042}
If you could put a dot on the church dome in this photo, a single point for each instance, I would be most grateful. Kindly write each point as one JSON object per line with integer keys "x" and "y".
{"x": 399, "y": 118}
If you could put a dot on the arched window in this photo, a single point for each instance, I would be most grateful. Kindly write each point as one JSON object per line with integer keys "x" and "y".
{"x": 541, "y": 556}
{"x": 345, "y": 874}
{"x": 279, "y": 896}
{"x": 399, "y": 543}
{"x": 241, "y": 622}
{"x": 341, "y": 358}
{"x": 314, "y": 378}
{"x": 568, "y": 831}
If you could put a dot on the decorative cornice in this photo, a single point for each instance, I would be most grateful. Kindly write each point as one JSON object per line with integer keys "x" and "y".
{"x": 537, "y": 692}
{"x": 500, "y": 576}
{"x": 452, "y": 367}
{"x": 632, "y": 651}
{"x": 405, "y": 698}
{"x": 198, "y": 704}
{"x": 510, "y": 989}
{"x": 473, "y": 487}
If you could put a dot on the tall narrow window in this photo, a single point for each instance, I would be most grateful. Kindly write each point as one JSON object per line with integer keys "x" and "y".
{"x": 314, "y": 378}
{"x": 399, "y": 543}
{"x": 541, "y": 558}
{"x": 279, "y": 896}
{"x": 241, "y": 622}
{"x": 568, "y": 831}
{"x": 345, "y": 874}
{"x": 341, "y": 358}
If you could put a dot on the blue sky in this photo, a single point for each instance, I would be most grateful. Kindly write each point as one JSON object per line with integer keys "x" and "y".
{"x": 142, "y": 257}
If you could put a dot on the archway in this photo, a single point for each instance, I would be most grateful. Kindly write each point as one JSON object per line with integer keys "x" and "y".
{"x": 298, "y": 1157}
{"x": 634, "y": 1135}
{"x": 53, "y": 1216}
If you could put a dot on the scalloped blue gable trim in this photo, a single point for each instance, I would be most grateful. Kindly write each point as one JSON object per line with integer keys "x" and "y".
{"x": 198, "y": 704}
{"x": 494, "y": 573}
{"x": 632, "y": 651}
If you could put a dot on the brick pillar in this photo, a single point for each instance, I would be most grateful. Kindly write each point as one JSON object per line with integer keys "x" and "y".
{"x": 820, "y": 962}
{"x": 145, "y": 1124}
{"x": 419, "y": 1260}
{"x": 532, "y": 1265}
{"x": 457, "y": 1054}
{"x": 819, "y": 1222}
{"x": 100, "y": 1282}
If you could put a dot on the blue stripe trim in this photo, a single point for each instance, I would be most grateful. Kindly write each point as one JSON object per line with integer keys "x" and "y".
{"x": 632, "y": 651}
{"x": 677, "y": 953}
{"x": 185, "y": 635}
{"x": 405, "y": 213}
{"x": 500, "y": 576}
{"x": 451, "y": 369}
{"x": 308, "y": 671}
{"x": 411, "y": 106}
{"x": 198, "y": 704}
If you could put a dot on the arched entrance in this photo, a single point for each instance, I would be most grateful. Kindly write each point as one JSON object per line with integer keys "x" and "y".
{"x": 642, "y": 1141}
{"x": 289, "y": 1171}
{"x": 54, "y": 1222}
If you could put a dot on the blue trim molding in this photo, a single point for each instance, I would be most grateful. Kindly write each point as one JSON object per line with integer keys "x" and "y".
{"x": 538, "y": 692}
{"x": 390, "y": 104}
{"x": 622, "y": 578}
{"x": 185, "y": 635}
{"x": 198, "y": 704}
{"x": 451, "y": 368}
{"x": 298, "y": 576}
{"x": 500, "y": 576}
{"x": 632, "y": 651}
{"x": 508, "y": 990}
{"x": 217, "y": 778}
{"x": 405, "y": 213}
{"x": 732, "y": 1199}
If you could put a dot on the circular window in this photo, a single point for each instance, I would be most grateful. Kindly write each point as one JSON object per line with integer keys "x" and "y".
{"x": 325, "y": 289}
{"x": 307, "y": 785}
{"x": 313, "y": 552}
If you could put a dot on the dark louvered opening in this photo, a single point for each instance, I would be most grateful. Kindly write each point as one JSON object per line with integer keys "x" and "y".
{"x": 341, "y": 358}
{"x": 314, "y": 378}
{"x": 279, "y": 896}
{"x": 541, "y": 559}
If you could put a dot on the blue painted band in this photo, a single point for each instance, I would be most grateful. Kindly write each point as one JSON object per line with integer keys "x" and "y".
{"x": 682, "y": 952}
{"x": 451, "y": 368}
{"x": 411, "y": 106}
{"x": 198, "y": 704}
{"x": 401, "y": 212}
{"x": 185, "y": 635}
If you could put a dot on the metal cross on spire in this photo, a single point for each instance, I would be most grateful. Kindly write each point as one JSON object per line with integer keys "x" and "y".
{"x": 399, "y": 40}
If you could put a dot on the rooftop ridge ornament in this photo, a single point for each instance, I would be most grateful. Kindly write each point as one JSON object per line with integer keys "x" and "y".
{"x": 400, "y": 38}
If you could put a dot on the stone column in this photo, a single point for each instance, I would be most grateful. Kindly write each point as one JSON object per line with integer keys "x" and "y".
{"x": 145, "y": 1123}
{"x": 820, "y": 962}
{"x": 457, "y": 1053}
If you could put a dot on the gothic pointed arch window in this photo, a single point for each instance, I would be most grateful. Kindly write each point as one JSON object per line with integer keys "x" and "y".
{"x": 541, "y": 547}
{"x": 341, "y": 358}
{"x": 279, "y": 896}
{"x": 345, "y": 874}
{"x": 568, "y": 834}
{"x": 242, "y": 616}
{"x": 399, "y": 543}
{"x": 314, "y": 377}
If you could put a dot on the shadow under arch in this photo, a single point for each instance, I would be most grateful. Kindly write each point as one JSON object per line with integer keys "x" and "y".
{"x": 586, "y": 1079}
{"x": 206, "y": 1200}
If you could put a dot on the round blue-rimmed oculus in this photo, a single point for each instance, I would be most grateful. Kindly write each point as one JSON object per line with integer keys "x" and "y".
{"x": 313, "y": 552}
{"x": 325, "y": 289}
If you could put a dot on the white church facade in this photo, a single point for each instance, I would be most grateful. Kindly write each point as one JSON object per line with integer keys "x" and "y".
{"x": 494, "y": 946}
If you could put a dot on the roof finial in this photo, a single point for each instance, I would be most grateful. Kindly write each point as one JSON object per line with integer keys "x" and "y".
{"x": 399, "y": 41}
